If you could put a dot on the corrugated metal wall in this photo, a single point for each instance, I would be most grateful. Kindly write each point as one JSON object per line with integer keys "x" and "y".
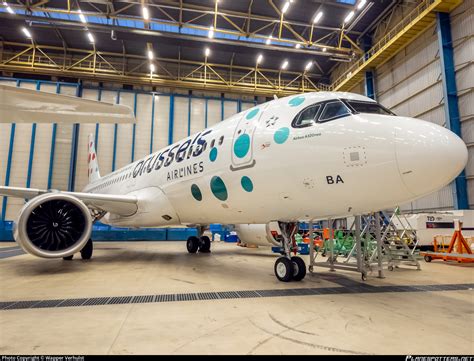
{"x": 462, "y": 21}
{"x": 40, "y": 155}
{"x": 411, "y": 85}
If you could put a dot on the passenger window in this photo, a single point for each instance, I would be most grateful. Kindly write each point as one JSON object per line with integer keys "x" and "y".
{"x": 306, "y": 117}
{"x": 212, "y": 143}
{"x": 333, "y": 110}
{"x": 221, "y": 140}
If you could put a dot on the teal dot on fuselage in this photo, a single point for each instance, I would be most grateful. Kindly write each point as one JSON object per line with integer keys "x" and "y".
{"x": 246, "y": 183}
{"x": 281, "y": 135}
{"x": 296, "y": 101}
{"x": 218, "y": 188}
{"x": 242, "y": 146}
{"x": 213, "y": 154}
{"x": 196, "y": 192}
{"x": 252, "y": 113}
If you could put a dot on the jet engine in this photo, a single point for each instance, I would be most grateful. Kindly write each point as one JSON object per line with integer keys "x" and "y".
{"x": 259, "y": 234}
{"x": 53, "y": 225}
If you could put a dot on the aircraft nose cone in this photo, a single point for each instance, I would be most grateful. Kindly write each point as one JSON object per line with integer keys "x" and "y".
{"x": 429, "y": 156}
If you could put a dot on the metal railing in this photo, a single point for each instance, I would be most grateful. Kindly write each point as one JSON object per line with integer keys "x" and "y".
{"x": 387, "y": 40}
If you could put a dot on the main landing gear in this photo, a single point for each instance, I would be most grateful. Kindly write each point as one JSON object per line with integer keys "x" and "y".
{"x": 86, "y": 252}
{"x": 201, "y": 244}
{"x": 288, "y": 268}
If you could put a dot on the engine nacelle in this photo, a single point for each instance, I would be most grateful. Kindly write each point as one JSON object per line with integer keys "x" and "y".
{"x": 259, "y": 234}
{"x": 53, "y": 225}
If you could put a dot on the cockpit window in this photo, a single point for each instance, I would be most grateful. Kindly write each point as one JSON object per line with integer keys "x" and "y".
{"x": 333, "y": 110}
{"x": 306, "y": 117}
{"x": 368, "y": 107}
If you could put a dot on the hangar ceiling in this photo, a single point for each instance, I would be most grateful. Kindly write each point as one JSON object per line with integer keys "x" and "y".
{"x": 270, "y": 46}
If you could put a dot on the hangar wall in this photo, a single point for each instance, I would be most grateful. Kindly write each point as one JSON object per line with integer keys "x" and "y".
{"x": 42, "y": 155}
{"x": 411, "y": 85}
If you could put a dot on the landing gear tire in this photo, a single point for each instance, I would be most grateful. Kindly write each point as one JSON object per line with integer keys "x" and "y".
{"x": 284, "y": 269}
{"x": 192, "y": 244}
{"x": 68, "y": 258}
{"x": 205, "y": 244}
{"x": 86, "y": 252}
{"x": 363, "y": 277}
{"x": 427, "y": 258}
{"x": 299, "y": 268}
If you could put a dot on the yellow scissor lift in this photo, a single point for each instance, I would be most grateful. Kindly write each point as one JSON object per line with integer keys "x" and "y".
{"x": 412, "y": 25}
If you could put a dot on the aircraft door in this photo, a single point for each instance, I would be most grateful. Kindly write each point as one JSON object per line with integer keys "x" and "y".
{"x": 242, "y": 142}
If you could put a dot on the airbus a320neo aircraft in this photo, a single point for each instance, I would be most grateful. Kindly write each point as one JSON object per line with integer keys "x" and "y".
{"x": 310, "y": 156}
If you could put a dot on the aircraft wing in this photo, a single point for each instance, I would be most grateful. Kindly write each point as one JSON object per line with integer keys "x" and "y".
{"x": 118, "y": 204}
{"x": 20, "y": 105}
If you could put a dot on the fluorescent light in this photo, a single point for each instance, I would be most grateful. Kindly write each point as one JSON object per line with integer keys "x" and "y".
{"x": 285, "y": 7}
{"x": 152, "y": 67}
{"x": 298, "y": 46}
{"x": 207, "y": 52}
{"x": 318, "y": 17}
{"x": 26, "y": 32}
{"x": 82, "y": 17}
{"x": 361, "y": 4}
{"x": 284, "y": 65}
{"x": 211, "y": 32}
{"x": 259, "y": 58}
{"x": 146, "y": 14}
{"x": 9, "y": 9}
{"x": 349, "y": 17}
{"x": 325, "y": 49}
{"x": 269, "y": 40}
{"x": 308, "y": 66}
{"x": 150, "y": 55}
{"x": 91, "y": 38}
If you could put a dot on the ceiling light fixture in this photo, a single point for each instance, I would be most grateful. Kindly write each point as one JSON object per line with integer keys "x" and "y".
{"x": 349, "y": 17}
{"x": 146, "y": 14}
{"x": 211, "y": 32}
{"x": 26, "y": 32}
{"x": 82, "y": 17}
{"x": 318, "y": 17}
{"x": 9, "y": 9}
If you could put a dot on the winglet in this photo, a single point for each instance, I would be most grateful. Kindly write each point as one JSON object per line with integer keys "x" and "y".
{"x": 93, "y": 166}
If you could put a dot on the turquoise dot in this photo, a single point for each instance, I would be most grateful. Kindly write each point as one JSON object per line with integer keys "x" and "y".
{"x": 296, "y": 101}
{"x": 252, "y": 113}
{"x": 196, "y": 192}
{"x": 242, "y": 146}
{"x": 213, "y": 154}
{"x": 281, "y": 135}
{"x": 218, "y": 188}
{"x": 247, "y": 184}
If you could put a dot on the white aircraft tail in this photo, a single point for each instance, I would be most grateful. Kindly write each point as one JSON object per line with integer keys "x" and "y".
{"x": 93, "y": 165}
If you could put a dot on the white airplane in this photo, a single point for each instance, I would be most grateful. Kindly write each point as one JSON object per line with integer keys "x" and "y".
{"x": 309, "y": 156}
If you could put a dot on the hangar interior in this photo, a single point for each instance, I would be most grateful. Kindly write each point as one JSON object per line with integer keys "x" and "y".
{"x": 183, "y": 67}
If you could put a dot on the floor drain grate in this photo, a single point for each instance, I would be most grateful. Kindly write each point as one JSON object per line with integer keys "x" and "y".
{"x": 165, "y": 298}
{"x": 186, "y": 297}
{"x": 97, "y": 301}
{"x": 75, "y": 302}
{"x": 120, "y": 300}
{"x": 208, "y": 296}
{"x": 228, "y": 294}
{"x": 142, "y": 299}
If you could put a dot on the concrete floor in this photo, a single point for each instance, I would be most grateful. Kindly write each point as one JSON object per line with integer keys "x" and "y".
{"x": 351, "y": 323}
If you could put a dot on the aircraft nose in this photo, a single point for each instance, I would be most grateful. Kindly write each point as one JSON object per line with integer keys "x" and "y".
{"x": 429, "y": 156}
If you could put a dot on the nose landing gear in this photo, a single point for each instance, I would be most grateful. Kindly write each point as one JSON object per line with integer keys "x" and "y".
{"x": 289, "y": 268}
